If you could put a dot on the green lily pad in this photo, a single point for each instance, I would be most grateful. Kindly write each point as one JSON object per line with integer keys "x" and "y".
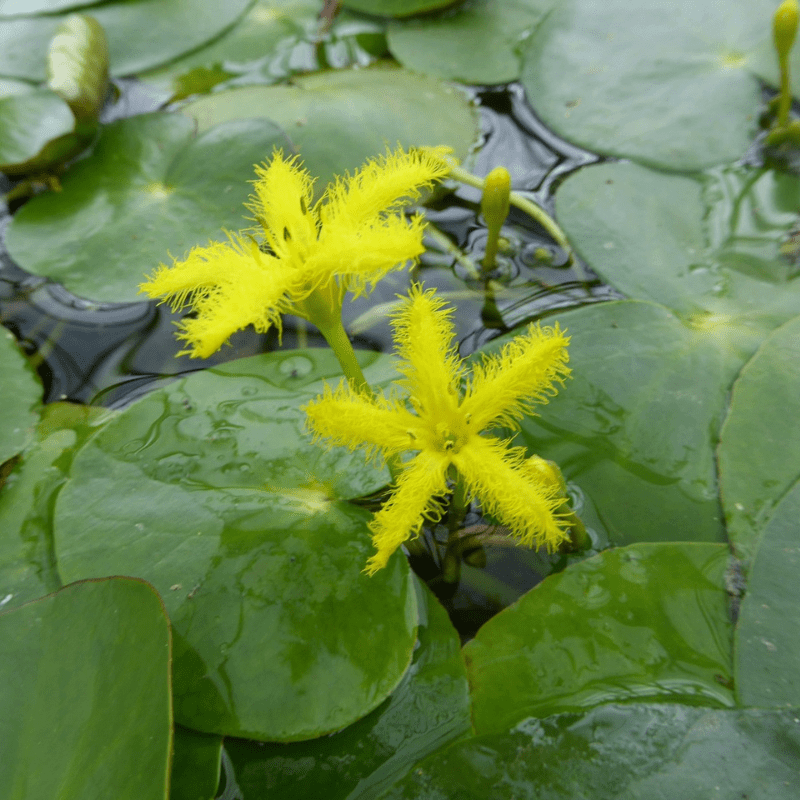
{"x": 211, "y": 490}
{"x": 620, "y": 752}
{"x": 20, "y": 398}
{"x": 173, "y": 27}
{"x": 338, "y": 119}
{"x": 672, "y": 83}
{"x": 429, "y": 708}
{"x": 85, "y": 707}
{"x": 27, "y": 558}
{"x": 273, "y": 40}
{"x": 36, "y": 131}
{"x": 760, "y": 442}
{"x": 635, "y": 427}
{"x": 649, "y": 620}
{"x": 150, "y": 187}
{"x": 396, "y": 8}
{"x": 478, "y": 42}
{"x": 768, "y": 634}
{"x": 713, "y": 247}
{"x": 11, "y": 8}
{"x": 195, "y": 765}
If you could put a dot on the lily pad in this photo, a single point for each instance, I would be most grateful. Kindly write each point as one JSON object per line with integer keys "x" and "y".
{"x": 760, "y": 441}
{"x": 72, "y": 666}
{"x": 173, "y": 27}
{"x": 429, "y": 708}
{"x": 11, "y": 8}
{"x": 672, "y": 83}
{"x": 768, "y": 634}
{"x": 20, "y": 398}
{"x": 150, "y": 187}
{"x": 336, "y": 120}
{"x": 396, "y": 8}
{"x": 27, "y": 558}
{"x": 636, "y": 425}
{"x": 36, "y": 131}
{"x": 620, "y": 752}
{"x": 211, "y": 490}
{"x": 649, "y": 620}
{"x": 478, "y": 42}
{"x": 713, "y": 247}
{"x": 273, "y": 40}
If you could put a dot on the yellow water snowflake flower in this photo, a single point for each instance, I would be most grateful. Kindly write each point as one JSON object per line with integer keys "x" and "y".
{"x": 444, "y": 420}
{"x": 302, "y": 256}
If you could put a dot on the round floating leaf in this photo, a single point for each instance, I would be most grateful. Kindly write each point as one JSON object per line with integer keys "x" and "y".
{"x": 717, "y": 248}
{"x": 673, "y": 83}
{"x": 36, "y": 131}
{"x": 396, "y": 8}
{"x": 428, "y": 709}
{"x": 173, "y": 27}
{"x": 649, "y": 620}
{"x": 475, "y": 43}
{"x": 85, "y": 707}
{"x": 11, "y": 8}
{"x": 211, "y": 490}
{"x": 27, "y": 560}
{"x": 338, "y": 119}
{"x": 760, "y": 440}
{"x": 150, "y": 188}
{"x": 620, "y": 752}
{"x": 768, "y": 633}
{"x": 636, "y": 425}
{"x": 273, "y": 40}
{"x": 20, "y": 398}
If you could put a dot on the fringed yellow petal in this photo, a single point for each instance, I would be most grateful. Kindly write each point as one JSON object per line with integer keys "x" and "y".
{"x": 382, "y": 185}
{"x": 251, "y": 296}
{"x": 354, "y": 419}
{"x": 414, "y": 500}
{"x": 197, "y": 274}
{"x": 282, "y": 205}
{"x": 506, "y": 385}
{"x": 495, "y": 474}
{"x": 367, "y": 254}
{"x": 424, "y": 337}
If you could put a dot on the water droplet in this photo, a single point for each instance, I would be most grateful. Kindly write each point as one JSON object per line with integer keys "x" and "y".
{"x": 296, "y": 366}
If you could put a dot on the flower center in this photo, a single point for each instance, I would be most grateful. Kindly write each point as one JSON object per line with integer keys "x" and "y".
{"x": 450, "y": 437}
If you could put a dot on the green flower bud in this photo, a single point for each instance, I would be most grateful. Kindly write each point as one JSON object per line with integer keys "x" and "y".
{"x": 784, "y": 27}
{"x": 495, "y": 204}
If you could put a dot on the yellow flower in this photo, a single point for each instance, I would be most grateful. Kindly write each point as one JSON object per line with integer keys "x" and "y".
{"x": 302, "y": 257}
{"x": 446, "y": 425}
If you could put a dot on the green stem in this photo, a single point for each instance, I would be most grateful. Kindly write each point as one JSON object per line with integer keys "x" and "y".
{"x": 336, "y": 336}
{"x": 452, "y": 250}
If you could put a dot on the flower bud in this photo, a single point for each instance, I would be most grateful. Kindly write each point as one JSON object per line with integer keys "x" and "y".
{"x": 784, "y": 27}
